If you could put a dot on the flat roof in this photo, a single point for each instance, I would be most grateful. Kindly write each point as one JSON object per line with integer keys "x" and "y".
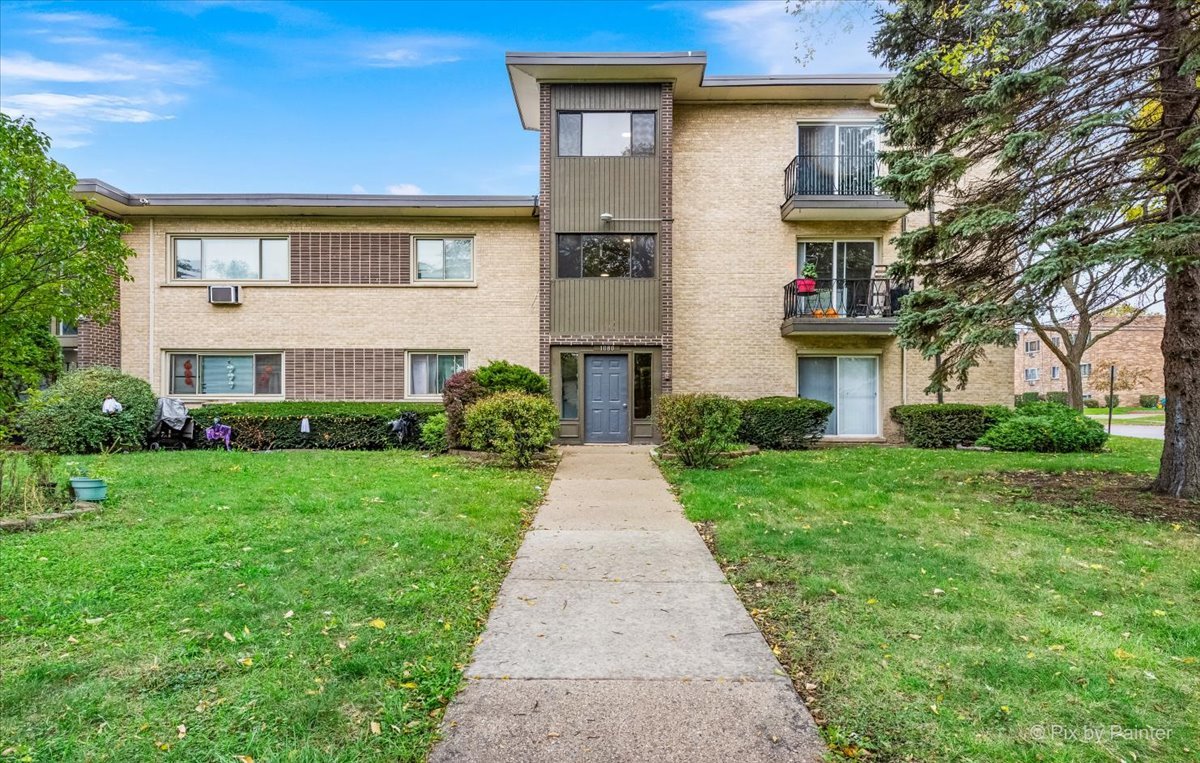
{"x": 686, "y": 70}
{"x": 112, "y": 200}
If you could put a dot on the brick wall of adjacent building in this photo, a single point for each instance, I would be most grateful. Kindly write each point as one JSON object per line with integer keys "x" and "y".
{"x": 733, "y": 255}
{"x": 1136, "y": 346}
{"x": 494, "y": 318}
{"x": 99, "y": 344}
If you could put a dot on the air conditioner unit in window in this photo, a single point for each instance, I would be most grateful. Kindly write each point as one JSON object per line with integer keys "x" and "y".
{"x": 225, "y": 295}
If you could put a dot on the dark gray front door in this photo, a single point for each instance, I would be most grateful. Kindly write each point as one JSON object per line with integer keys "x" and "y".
{"x": 607, "y": 398}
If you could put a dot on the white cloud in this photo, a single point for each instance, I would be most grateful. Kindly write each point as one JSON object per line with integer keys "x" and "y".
{"x": 112, "y": 67}
{"x": 76, "y": 19}
{"x": 75, "y": 108}
{"x": 404, "y": 51}
{"x": 765, "y": 34}
{"x": 356, "y": 188}
{"x": 405, "y": 189}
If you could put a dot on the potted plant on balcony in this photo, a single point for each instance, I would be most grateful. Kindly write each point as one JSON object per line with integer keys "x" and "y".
{"x": 807, "y": 282}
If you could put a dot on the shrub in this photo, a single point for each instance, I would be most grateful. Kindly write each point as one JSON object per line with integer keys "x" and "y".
{"x": 29, "y": 483}
{"x": 460, "y": 391}
{"x": 1148, "y": 401}
{"x": 433, "y": 433}
{"x": 1112, "y": 401}
{"x": 697, "y": 428}
{"x": 1090, "y": 402}
{"x": 1046, "y": 428}
{"x": 1063, "y": 398}
{"x": 66, "y": 417}
{"x": 332, "y": 425}
{"x": 783, "y": 423}
{"x": 515, "y": 425}
{"x": 944, "y": 425}
{"x": 502, "y": 376}
{"x": 1029, "y": 397}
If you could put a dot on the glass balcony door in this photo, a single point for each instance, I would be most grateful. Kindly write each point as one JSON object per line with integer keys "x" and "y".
{"x": 849, "y": 383}
{"x": 843, "y": 273}
{"x": 836, "y": 160}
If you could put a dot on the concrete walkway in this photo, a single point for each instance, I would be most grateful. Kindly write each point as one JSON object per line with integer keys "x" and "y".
{"x": 616, "y": 638}
{"x": 1144, "y": 431}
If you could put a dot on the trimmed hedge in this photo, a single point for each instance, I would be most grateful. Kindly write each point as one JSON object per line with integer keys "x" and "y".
{"x": 1112, "y": 401}
{"x": 1062, "y": 398}
{"x": 332, "y": 425}
{"x": 433, "y": 433}
{"x": 1046, "y": 428}
{"x": 944, "y": 425}
{"x": 1148, "y": 401}
{"x": 698, "y": 428}
{"x": 1090, "y": 402}
{"x": 66, "y": 417}
{"x": 502, "y": 376}
{"x": 783, "y": 423}
{"x": 1025, "y": 398}
{"x": 515, "y": 425}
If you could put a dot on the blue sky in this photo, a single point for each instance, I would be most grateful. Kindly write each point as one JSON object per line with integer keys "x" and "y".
{"x": 344, "y": 97}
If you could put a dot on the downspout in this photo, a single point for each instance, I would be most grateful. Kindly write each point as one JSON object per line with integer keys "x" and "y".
{"x": 151, "y": 287}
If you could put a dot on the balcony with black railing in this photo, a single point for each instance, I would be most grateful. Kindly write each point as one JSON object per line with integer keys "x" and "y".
{"x": 836, "y": 187}
{"x": 847, "y": 305}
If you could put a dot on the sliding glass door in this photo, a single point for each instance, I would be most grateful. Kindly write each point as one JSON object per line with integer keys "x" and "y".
{"x": 843, "y": 272}
{"x": 850, "y": 383}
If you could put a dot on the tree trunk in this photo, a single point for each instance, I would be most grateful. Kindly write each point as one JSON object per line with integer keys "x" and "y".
{"x": 1179, "y": 471}
{"x": 1074, "y": 384}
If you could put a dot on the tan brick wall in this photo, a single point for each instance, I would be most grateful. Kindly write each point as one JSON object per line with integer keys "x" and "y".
{"x": 733, "y": 256}
{"x": 494, "y": 319}
{"x": 1138, "y": 345}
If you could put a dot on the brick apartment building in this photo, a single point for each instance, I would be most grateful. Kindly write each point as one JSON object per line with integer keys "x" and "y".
{"x": 675, "y": 212}
{"x": 1137, "y": 346}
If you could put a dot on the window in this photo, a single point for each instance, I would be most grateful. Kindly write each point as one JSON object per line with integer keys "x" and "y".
{"x": 606, "y": 133}
{"x": 1085, "y": 369}
{"x": 445, "y": 259}
{"x": 643, "y": 384}
{"x": 1031, "y": 374}
{"x": 226, "y": 373}
{"x": 1032, "y": 346}
{"x": 231, "y": 259}
{"x": 570, "y": 385}
{"x": 428, "y": 371}
{"x": 1056, "y": 341}
{"x": 1055, "y": 372}
{"x": 65, "y": 328}
{"x": 850, "y": 384}
{"x": 605, "y": 255}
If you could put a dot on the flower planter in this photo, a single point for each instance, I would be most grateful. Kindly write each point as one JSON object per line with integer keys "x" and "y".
{"x": 88, "y": 489}
{"x": 806, "y": 285}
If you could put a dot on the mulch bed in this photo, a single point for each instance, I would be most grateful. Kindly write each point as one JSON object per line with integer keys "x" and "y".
{"x": 1119, "y": 492}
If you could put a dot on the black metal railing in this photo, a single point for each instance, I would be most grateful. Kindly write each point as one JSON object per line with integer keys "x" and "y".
{"x": 843, "y": 298}
{"x": 831, "y": 175}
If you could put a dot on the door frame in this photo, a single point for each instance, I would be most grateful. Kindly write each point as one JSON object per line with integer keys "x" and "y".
{"x": 862, "y": 353}
{"x": 573, "y": 431}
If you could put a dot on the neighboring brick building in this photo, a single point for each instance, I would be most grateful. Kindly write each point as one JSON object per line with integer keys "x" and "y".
{"x": 660, "y": 254}
{"x": 1137, "y": 346}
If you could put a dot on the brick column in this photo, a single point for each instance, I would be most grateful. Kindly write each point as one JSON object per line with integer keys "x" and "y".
{"x": 545, "y": 239}
{"x": 666, "y": 230}
{"x": 100, "y": 343}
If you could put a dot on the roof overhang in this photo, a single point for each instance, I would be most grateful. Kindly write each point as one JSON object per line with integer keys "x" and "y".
{"x": 685, "y": 69}
{"x": 113, "y": 201}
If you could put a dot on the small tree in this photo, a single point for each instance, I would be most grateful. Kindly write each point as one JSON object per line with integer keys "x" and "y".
{"x": 1128, "y": 378}
{"x": 57, "y": 260}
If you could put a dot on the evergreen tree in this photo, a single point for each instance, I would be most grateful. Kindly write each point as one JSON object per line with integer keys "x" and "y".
{"x": 1048, "y": 138}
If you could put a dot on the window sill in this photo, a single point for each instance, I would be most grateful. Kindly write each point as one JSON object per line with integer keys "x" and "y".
{"x": 205, "y": 399}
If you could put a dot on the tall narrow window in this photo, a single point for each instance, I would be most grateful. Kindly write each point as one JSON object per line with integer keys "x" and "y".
{"x": 570, "y": 385}
{"x": 643, "y": 385}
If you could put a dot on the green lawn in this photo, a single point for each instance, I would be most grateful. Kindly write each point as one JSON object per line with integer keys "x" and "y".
{"x": 1120, "y": 410}
{"x": 934, "y": 614}
{"x": 1159, "y": 420}
{"x": 293, "y": 606}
